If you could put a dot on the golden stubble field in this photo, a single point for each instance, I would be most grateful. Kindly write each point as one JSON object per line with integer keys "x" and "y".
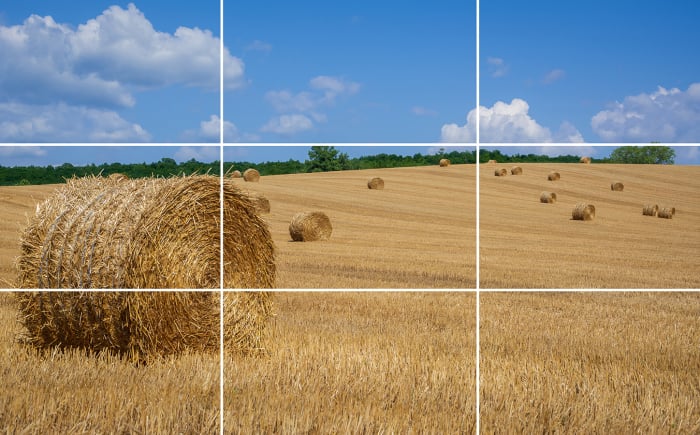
{"x": 528, "y": 244}
{"x": 590, "y": 362}
{"x": 419, "y": 232}
{"x": 354, "y": 362}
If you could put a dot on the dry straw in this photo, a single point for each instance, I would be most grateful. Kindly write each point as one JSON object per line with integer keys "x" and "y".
{"x": 583, "y": 212}
{"x": 444, "y": 162}
{"x": 553, "y": 176}
{"x": 548, "y": 197}
{"x": 375, "y": 183}
{"x": 586, "y": 160}
{"x": 118, "y": 177}
{"x": 143, "y": 325}
{"x": 617, "y": 186}
{"x": 501, "y": 172}
{"x": 516, "y": 170}
{"x": 261, "y": 203}
{"x": 650, "y": 210}
{"x": 310, "y": 226}
{"x": 252, "y": 175}
{"x": 667, "y": 212}
{"x": 95, "y": 232}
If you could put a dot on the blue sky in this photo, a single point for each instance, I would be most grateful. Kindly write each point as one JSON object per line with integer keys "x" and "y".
{"x": 362, "y": 71}
{"x": 109, "y": 71}
{"x": 593, "y": 71}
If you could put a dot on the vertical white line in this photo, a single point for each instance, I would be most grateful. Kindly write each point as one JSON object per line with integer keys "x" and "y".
{"x": 478, "y": 226}
{"x": 221, "y": 217}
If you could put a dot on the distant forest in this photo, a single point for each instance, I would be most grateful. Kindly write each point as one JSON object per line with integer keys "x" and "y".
{"x": 166, "y": 167}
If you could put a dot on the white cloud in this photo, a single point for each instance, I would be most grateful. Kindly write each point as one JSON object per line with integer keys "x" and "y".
{"x": 200, "y": 154}
{"x": 505, "y": 122}
{"x": 496, "y": 66}
{"x": 285, "y": 101}
{"x": 64, "y": 123}
{"x": 667, "y": 115}
{"x": 209, "y": 131}
{"x": 553, "y": 75}
{"x": 288, "y": 124}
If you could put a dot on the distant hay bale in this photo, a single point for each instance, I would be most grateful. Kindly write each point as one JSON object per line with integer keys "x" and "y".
{"x": 236, "y": 174}
{"x": 95, "y": 232}
{"x": 548, "y": 197}
{"x": 583, "y": 212}
{"x": 262, "y": 204}
{"x": 444, "y": 162}
{"x": 667, "y": 212}
{"x": 617, "y": 186}
{"x": 492, "y": 161}
{"x": 650, "y": 210}
{"x": 252, "y": 175}
{"x": 586, "y": 160}
{"x": 501, "y": 172}
{"x": 553, "y": 176}
{"x": 375, "y": 183}
{"x": 118, "y": 177}
{"x": 310, "y": 226}
{"x": 246, "y": 317}
{"x": 516, "y": 170}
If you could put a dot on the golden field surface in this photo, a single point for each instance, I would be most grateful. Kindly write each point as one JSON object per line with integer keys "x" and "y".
{"x": 528, "y": 244}
{"x": 419, "y": 232}
{"x": 70, "y": 392}
{"x": 590, "y": 362}
{"x": 359, "y": 362}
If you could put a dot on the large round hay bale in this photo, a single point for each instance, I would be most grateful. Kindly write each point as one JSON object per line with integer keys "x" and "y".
{"x": 375, "y": 183}
{"x": 236, "y": 174}
{"x": 252, "y": 175}
{"x": 262, "y": 204}
{"x": 246, "y": 317}
{"x": 145, "y": 233}
{"x": 118, "y": 177}
{"x": 516, "y": 170}
{"x": 617, "y": 186}
{"x": 667, "y": 212}
{"x": 553, "y": 176}
{"x": 586, "y": 160}
{"x": 650, "y": 210}
{"x": 548, "y": 197}
{"x": 492, "y": 161}
{"x": 310, "y": 226}
{"x": 444, "y": 162}
{"x": 583, "y": 212}
{"x": 500, "y": 172}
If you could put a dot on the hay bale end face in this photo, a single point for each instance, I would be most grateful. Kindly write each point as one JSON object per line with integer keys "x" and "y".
{"x": 617, "y": 186}
{"x": 444, "y": 162}
{"x": 501, "y": 172}
{"x": 667, "y": 212}
{"x": 236, "y": 174}
{"x": 650, "y": 210}
{"x": 251, "y": 175}
{"x": 586, "y": 160}
{"x": 548, "y": 197}
{"x": 375, "y": 183}
{"x": 583, "y": 212}
{"x": 516, "y": 170}
{"x": 310, "y": 226}
{"x": 553, "y": 176}
{"x": 145, "y": 233}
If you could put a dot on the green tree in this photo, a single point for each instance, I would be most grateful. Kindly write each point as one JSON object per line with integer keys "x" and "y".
{"x": 326, "y": 158}
{"x": 659, "y": 155}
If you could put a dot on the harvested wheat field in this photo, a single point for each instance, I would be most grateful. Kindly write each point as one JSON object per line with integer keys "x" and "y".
{"x": 590, "y": 362}
{"x": 354, "y": 362}
{"x": 420, "y": 233}
{"x": 527, "y": 244}
{"x": 71, "y": 392}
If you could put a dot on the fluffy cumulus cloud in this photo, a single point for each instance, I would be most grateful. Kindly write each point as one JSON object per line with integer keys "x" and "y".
{"x": 299, "y": 111}
{"x": 209, "y": 131}
{"x": 507, "y": 122}
{"x": 201, "y": 153}
{"x": 667, "y": 115}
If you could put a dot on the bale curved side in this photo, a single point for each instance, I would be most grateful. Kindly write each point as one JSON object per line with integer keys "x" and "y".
{"x": 548, "y": 197}
{"x": 667, "y": 212}
{"x": 251, "y": 175}
{"x": 500, "y": 172}
{"x": 236, "y": 174}
{"x": 516, "y": 170}
{"x": 586, "y": 160}
{"x": 553, "y": 176}
{"x": 310, "y": 226}
{"x": 444, "y": 162}
{"x": 492, "y": 161}
{"x": 617, "y": 186}
{"x": 650, "y": 210}
{"x": 583, "y": 212}
{"x": 375, "y": 183}
{"x": 260, "y": 202}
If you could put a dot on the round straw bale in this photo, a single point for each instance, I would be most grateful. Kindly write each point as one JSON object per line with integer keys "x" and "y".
{"x": 667, "y": 212}
{"x": 236, "y": 174}
{"x": 262, "y": 204}
{"x": 444, "y": 162}
{"x": 516, "y": 170}
{"x": 310, "y": 226}
{"x": 252, "y": 175}
{"x": 553, "y": 176}
{"x": 492, "y": 161}
{"x": 375, "y": 183}
{"x": 95, "y": 232}
{"x": 586, "y": 160}
{"x": 617, "y": 186}
{"x": 501, "y": 172}
{"x": 246, "y": 316}
{"x": 583, "y": 212}
{"x": 650, "y": 210}
{"x": 548, "y": 197}
{"x": 118, "y": 177}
